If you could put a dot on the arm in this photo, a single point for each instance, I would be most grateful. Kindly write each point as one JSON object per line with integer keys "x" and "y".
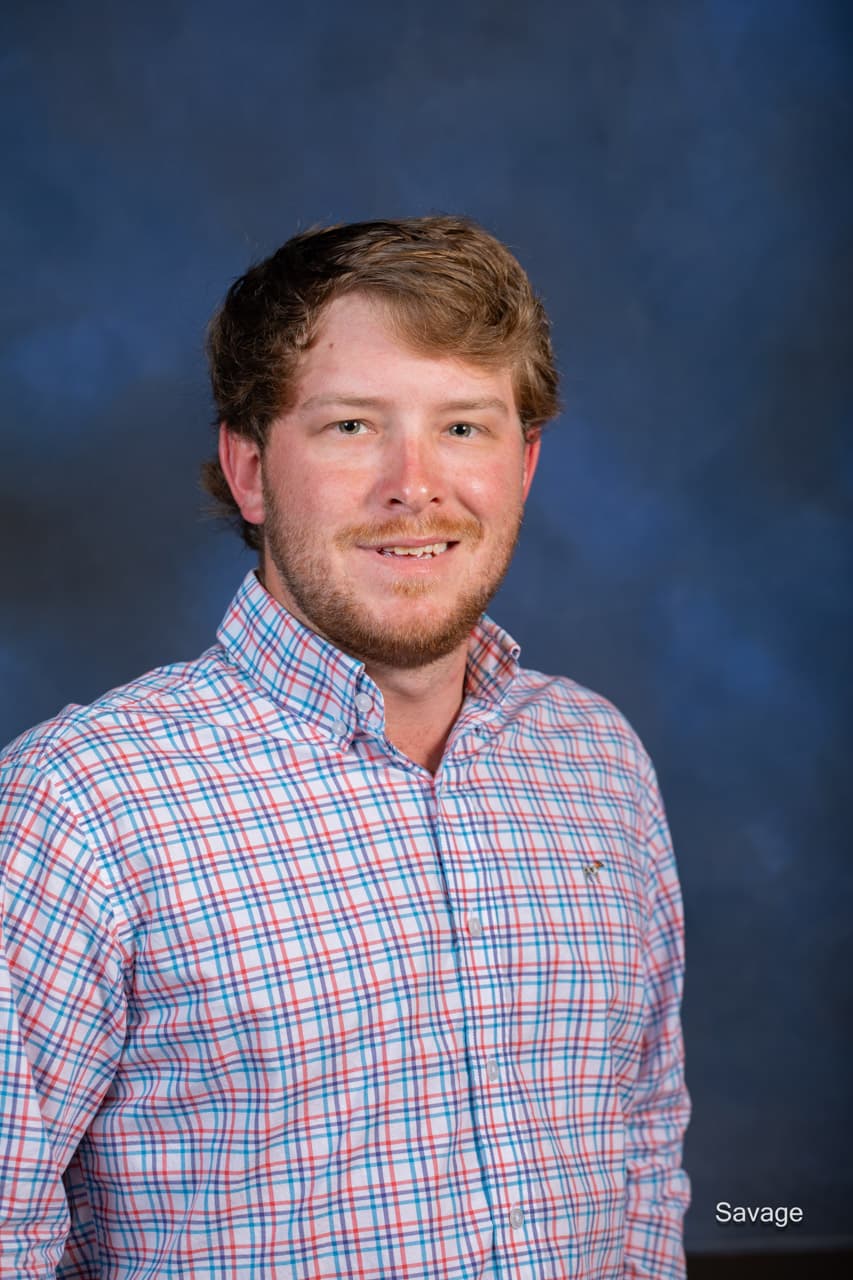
{"x": 658, "y": 1190}
{"x": 62, "y": 1011}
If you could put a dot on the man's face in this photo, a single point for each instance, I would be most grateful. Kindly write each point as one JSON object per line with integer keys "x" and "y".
{"x": 386, "y": 448}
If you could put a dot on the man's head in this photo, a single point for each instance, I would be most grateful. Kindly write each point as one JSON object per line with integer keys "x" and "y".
{"x": 451, "y": 288}
{"x": 375, "y": 382}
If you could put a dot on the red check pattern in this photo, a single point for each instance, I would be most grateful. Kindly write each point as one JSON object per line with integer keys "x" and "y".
{"x": 277, "y": 1002}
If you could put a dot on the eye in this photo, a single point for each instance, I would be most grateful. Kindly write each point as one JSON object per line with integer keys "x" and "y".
{"x": 349, "y": 426}
{"x": 466, "y": 431}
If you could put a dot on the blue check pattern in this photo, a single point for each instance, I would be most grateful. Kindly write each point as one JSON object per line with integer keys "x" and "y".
{"x": 278, "y": 1002}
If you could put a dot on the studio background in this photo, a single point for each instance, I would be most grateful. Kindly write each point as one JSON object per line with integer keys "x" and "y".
{"x": 676, "y": 179}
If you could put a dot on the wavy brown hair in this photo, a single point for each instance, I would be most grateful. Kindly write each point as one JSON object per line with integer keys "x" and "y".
{"x": 450, "y": 288}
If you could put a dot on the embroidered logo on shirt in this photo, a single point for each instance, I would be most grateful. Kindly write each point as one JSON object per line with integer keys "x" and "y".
{"x": 591, "y": 870}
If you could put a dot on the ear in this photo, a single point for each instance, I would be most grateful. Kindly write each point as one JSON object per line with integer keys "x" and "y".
{"x": 240, "y": 459}
{"x": 531, "y": 458}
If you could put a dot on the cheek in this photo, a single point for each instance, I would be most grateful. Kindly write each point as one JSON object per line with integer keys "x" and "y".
{"x": 323, "y": 509}
{"x": 305, "y": 490}
{"x": 495, "y": 489}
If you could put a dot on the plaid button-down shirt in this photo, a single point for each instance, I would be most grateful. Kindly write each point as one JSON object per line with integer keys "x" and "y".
{"x": 277, "y": 1002}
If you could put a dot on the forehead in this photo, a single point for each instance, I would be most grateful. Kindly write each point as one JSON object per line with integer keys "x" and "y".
{"x": 358, "y": 345}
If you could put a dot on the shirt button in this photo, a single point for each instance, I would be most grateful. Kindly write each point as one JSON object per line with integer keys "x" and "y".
{"x": 475, "y": 926}
{"x": 492, "y": 1069}
{"x": 516, "y": 1219}
{"x": 339, "y": 727}
{"x": 363, "y": 701}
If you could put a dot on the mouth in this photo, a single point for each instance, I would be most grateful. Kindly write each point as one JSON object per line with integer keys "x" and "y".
{"x": 409, "y": 555}
{"x": 416, "y": 550}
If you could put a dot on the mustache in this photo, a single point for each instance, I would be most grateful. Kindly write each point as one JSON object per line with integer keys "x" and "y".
{"x": 437, "y": 530}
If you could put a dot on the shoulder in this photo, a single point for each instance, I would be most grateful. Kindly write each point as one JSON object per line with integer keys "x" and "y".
{"x": 578, "y": 733}
{"x": 560, "y": 707}
{"x": 578, "y": 737}
{"x": 157, "y": 706}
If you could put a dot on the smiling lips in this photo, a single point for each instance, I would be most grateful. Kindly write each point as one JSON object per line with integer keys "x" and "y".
{"x": 412, "y": 549}
{"x": 420, "y": 553}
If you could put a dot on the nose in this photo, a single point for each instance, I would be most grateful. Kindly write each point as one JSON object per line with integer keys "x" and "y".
{"x": 412, "y": 477}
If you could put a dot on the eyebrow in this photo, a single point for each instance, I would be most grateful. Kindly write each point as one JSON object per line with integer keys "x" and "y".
{"x": 347, "y": 399}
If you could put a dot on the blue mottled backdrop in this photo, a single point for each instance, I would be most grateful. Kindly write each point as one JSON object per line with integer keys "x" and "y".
{"x": 677, "y": 179}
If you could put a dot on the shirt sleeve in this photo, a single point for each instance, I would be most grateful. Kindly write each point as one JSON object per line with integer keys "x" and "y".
{"x": 62, "y": 1011}
{"x": 658, "y": 1189}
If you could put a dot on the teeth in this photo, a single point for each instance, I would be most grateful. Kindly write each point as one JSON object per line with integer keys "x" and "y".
{"x": 434, "y": 550}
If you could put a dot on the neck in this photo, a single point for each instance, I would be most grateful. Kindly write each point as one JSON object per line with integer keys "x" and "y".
{"x": 421, "y": 705}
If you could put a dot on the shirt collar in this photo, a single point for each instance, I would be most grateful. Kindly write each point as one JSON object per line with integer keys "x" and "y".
{"x": 309, "y": 676}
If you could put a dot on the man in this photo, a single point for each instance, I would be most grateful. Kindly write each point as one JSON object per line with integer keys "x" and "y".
{"x": 351, "y": 948}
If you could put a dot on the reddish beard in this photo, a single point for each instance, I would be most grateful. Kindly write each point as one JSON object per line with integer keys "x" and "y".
{"x": 334, "y": 610}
